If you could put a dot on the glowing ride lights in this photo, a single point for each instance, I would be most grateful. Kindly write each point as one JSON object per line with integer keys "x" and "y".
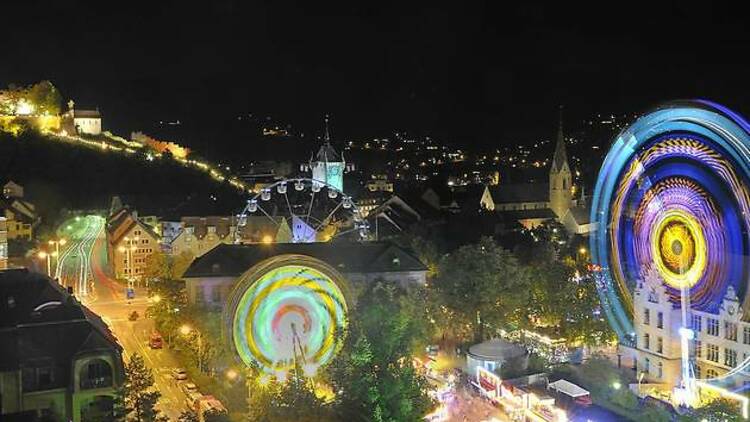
{"x": 286, "y": 313}
{"x": 672, "y": 197}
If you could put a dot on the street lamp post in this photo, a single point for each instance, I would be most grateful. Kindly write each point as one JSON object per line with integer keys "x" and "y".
{"x": 57, "y": 243}
{"x": 185, "y": 330}
{"x": 45, "y": 255}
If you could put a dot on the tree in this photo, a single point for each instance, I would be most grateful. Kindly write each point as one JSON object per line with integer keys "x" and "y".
{"x": 140, "y": 400}
{"x": 480, "y": 286}
{"x": 294, "y": 399}
{"x": 45, "y": 97}
{"x": 188, "y": 416}
{"x": 161, "y": 266}
{"x": 373, "y": 373}
{"x": 719, "y": 410}
{"x": 214, "y": 415}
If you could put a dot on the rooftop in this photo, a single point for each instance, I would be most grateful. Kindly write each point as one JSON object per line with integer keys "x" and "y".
{"x": 348, "y": 257}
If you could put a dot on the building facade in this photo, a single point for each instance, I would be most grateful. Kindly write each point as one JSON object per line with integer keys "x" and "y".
{"x": 211, "y": 277}
{"x": 130, "y": 243}
{"x": 57, "y": 358}
{"x": 88, "y": 122}
{"x": 721, "y": 340}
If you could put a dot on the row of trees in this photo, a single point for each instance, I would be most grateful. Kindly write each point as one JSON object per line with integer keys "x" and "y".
{"x": 483, "y": 287}
{"x": 42, "y": 97}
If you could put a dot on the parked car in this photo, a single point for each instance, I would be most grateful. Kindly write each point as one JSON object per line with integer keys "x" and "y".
{"x": 155, "y": 341}
{"x": 179, "y": 374}
{"x": 206, "y": 403}
{"x": 188, "y": 388}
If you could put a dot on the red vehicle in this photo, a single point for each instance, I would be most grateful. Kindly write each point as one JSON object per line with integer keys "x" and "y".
{"x": 155, "y": 341}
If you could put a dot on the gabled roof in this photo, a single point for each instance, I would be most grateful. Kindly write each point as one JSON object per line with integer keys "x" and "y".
{"x": 581, "y": 214}
{"x": 122, "y": 223}
{"x": 348, "y": 257}
{"x": 520, "y": 192}
{"x": 87, "y": 114}
{"x": 42, "y": 322}
{"x": 533, "y": 214}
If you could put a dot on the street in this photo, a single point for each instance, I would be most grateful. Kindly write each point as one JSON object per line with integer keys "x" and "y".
{"x": 83, "y": 266}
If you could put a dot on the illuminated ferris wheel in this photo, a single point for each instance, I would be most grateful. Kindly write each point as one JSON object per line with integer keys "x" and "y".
{"x": 672, "y": 210}
{"x": 305, "y": 210}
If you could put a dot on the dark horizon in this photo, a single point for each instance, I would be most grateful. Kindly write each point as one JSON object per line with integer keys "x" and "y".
{"x": 476, "y": 75}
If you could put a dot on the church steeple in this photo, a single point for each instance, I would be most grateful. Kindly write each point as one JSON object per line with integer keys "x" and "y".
{"x": 560, "y": 159}
{"x": 560, "y": 177}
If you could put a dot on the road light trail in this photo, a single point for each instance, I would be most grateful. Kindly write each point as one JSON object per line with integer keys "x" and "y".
{"x": 74, "y": 263}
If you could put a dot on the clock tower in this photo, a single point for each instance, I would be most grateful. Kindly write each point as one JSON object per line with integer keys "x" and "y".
{"x": 327, "y": 165}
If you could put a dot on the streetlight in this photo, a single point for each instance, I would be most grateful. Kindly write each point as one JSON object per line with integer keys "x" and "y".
{"x": 57, "y": 243}
{"x": 640, "y": 380}
{"x": 232, "y": 374}
{"x": 45, "y": 255}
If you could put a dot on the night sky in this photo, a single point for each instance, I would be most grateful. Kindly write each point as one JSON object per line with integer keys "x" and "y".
{"x": 473, "y": 73}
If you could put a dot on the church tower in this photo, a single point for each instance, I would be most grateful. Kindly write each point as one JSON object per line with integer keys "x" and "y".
{"x": 560, "y": 177}
{"x": 328, "y": 166}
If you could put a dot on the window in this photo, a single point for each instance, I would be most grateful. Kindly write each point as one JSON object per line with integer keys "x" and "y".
{"x": 712, "y": 352}
{"x": 697, "y": 326}
{"x": 711, "y": 373}
{"x": 660, "y": 369}
{"x": 659, "y": 345}
{"x": 746, "y": 334}
{"x": 216, "y": 294}
{"x": 730, "y": 330}
{"x": 646, "y": 316}
{"x": 646, "y": 341}
{"x": 660, "y": 320}
{"x": 698, "y": 349}
{"x": 712, "y": 326}
{"x": 647, "y": 366}
{"x": 697, "y": 371}
{"x": 730, "y": 357}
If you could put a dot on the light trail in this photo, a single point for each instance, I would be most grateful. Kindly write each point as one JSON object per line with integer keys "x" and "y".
{"x": 74, "y": 273}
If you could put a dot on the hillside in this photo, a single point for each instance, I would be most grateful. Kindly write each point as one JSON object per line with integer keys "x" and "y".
{"x": 61, "y": 175}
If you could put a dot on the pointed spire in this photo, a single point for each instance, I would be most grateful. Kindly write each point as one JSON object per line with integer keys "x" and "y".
{"x": 560, "y": 158}
{"x": 327, "y": 136}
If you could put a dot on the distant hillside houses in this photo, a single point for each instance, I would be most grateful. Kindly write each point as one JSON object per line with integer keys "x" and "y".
{"x": 20, "y": 215}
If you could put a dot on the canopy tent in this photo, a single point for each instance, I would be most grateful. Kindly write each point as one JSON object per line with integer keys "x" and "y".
{"x": 567, "y": 387}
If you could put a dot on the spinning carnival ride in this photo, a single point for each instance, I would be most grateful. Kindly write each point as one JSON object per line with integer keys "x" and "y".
{"x": 287, "y": 313}
{"x": 672, "y": 197}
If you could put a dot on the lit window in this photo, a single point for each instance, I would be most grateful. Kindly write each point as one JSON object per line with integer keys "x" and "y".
{"x": 712, "y": 352}
{"x": 712, "y": 326}
{"x": 730, "y": 331}
{"x": 730, "y": 357}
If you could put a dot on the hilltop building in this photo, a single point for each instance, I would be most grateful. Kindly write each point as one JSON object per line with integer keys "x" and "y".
{"x": 88, "y": 122}
{"x": 57, "y": 358}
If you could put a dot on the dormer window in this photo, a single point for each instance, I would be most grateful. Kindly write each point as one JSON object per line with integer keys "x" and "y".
{"x": 189, "y": 230}
{"x": 211, "y": 229}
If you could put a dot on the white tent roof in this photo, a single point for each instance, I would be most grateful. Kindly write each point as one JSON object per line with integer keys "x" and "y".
{"x": 568, "y": 388}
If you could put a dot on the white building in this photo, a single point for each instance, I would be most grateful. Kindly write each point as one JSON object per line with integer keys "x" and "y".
{"x": 87, "y": 122}
{"x": 722, "y": 340}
